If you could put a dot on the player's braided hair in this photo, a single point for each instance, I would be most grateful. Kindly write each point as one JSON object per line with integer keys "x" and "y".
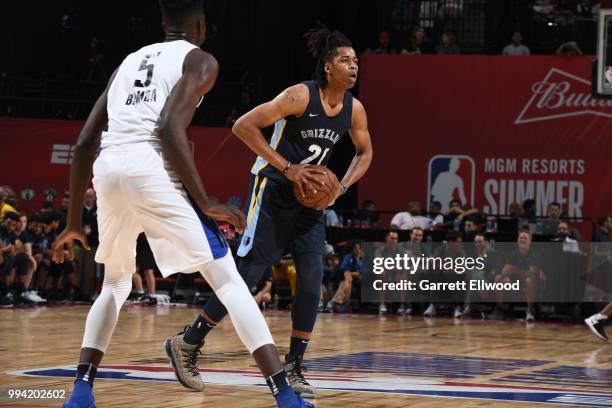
{"x": 323, "y": 44}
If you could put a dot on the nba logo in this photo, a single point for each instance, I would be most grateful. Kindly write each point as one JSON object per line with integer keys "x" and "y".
{"x": 450, "y": 177}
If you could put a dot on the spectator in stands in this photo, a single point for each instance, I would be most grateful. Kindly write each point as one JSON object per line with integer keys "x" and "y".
{"x": 332, "y": 275}
{"x": 451, "y": 249}
{"x": 331, "y": 218}
{"x": 40, "y": 244}
{"x": 23, "y": 223}
{"x": 384, "y": 44}
{"x": 351, "y": 267}
{"x": 482, "y": 249}
{"x": 285, "y": 270}
{"x": 262, "y": 292}
{"x": 528, "y": 217}
{"x": 391, "y": 249}
{"x": 418, "y": 43}
{"x": 63, "y": 210}
{"x": 515, "y": 210}
{"x": 85, "y": 259}
{"x": 563, "y": 235}
{"x": 5, "y": 207}
{"x": 47, "y": 206}
{"x": 569, "y": 49}
{"x": 523, "y": 264}
{"x": 448, "y": 45}
{"x": 436, "y": 218}
{"x": 548, "y": 226}
{"x": 415, "y": 248}
{"x": 602, "y": 233}
{"x": 64, "y": 285}
{"x": 145, "y": 263}
{"x": 456, "y": 214}
{"x": 17, "y": 264}
{"x": 413, "y": 218}
{"x": 516, "y": 48}
{"x": 471, "y": 227}
{"x": 367, "y": 216}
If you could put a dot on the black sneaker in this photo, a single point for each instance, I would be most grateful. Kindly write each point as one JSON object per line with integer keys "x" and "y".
{"x": 596, "y": 323}
{"x": 295, "y": 375}
{"x": 6, "y": 301}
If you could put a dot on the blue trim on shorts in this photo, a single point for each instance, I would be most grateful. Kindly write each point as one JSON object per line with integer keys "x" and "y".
{"x": 218, "y": 245}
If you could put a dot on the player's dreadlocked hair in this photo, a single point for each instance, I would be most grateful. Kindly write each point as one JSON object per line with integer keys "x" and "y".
{"x": 175, "y": 11}
{"x": 323, "y": 44}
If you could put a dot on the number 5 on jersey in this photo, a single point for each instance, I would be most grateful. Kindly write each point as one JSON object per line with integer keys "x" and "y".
{"x": 148, "y": 65}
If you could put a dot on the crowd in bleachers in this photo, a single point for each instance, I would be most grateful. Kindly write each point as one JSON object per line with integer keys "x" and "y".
{"x": 30, "y": 277}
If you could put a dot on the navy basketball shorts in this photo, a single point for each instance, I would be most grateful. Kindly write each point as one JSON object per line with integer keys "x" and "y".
{"x": 277, "y": 223}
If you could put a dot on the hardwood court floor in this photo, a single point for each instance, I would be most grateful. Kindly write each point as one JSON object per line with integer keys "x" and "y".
{"x": 362, "y": 360}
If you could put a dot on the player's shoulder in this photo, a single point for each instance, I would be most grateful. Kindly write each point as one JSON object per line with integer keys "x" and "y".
{"x": 357, "y": 105}
{"x": 300, "y": 90}
{"x": 198, "y": 60}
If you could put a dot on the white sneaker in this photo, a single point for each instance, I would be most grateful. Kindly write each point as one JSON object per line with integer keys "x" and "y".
{"x": 529, "y": 317}
{"x": 596, "y": 324}
{"x": 32, "y": 296}
{"x": 408, "y": 311}
{"x": 37, "y": 298}
{"x": 401, "y": 309}
{"x": 431, "y": 311}
{"x": 467, "y": 310}
{"x": 382, "y": 308}
{"x": 457, "y": 314}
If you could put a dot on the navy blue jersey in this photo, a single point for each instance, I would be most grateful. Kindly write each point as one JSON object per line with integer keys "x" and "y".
{"x": 310, "y": 138}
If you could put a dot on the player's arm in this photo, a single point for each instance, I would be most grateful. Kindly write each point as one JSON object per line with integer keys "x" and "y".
{"x": 200, "y": 71}
{"x": 363, "y": 147}
{"x": 85, "y": 152}
{"x": 291, "y": 102}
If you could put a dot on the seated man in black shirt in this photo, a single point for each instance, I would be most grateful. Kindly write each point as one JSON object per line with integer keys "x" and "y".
{"x": 262, "y": 292}
{"x": 17, "y": 264}
{"x": 523, "y": 264}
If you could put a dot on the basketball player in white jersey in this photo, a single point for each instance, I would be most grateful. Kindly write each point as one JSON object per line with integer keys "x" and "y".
{"x": 146, "y": 180}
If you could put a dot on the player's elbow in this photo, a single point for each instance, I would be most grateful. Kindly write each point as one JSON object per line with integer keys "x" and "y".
{"x": 240, "y": 128}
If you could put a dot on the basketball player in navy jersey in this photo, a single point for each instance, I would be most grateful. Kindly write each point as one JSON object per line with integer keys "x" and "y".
{"x": 309, "y": 118}
{"x": 147, "y": 181}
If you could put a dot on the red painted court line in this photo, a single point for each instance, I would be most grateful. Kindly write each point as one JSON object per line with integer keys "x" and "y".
{"x": 157, "y": 369}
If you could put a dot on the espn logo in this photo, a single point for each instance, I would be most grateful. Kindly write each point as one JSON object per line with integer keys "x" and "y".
{"x": 62, "y": 154}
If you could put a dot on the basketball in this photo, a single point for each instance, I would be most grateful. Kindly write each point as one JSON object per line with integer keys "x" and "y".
{"x": 320, "y": 199}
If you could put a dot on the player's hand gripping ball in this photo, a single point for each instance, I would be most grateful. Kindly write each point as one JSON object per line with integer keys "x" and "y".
{"x": 319, "y": 197}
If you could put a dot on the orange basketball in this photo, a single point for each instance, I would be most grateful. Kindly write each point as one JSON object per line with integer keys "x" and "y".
{"x": 324, "y": 194}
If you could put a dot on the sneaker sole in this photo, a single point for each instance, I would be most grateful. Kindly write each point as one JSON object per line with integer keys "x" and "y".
{"x": 595, "y": 332}
{"x": 168, "y": 347}
{"x": 306, "y": 394}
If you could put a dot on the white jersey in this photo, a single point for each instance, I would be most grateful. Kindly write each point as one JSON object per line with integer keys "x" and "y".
{"x": 139, "y": 91}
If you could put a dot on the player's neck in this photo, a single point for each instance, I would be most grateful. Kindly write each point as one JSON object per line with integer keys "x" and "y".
{"x": 332, "y": 95}
{"x": 174, "y": 35}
